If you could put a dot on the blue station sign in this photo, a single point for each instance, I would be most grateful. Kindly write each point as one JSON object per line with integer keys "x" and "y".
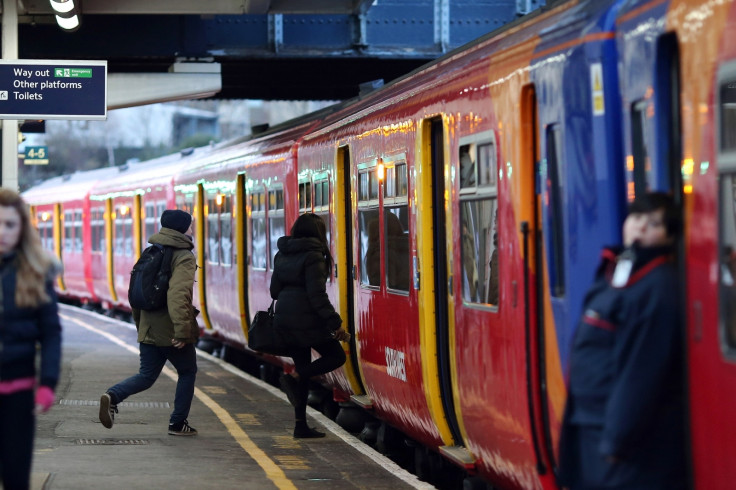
{"x": 53, "y": 89}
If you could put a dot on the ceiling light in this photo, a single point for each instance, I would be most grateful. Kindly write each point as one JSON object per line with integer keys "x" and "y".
{"x": 67, "y": 14}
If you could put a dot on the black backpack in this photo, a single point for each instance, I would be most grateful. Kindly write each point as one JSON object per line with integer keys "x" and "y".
{"x": 149, "y": 279}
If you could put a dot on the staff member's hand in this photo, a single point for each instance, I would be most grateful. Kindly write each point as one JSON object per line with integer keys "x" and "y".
{"x": 177, "y": 343}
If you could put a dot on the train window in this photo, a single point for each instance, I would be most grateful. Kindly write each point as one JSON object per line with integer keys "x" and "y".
{"x": 396, "y": 182}
{"x": 185, "y": 202}
{"x": 258, "y": 230}
{"x": 728, "y": 260}
{"x": 479, "y": 218}
{"x": 123, "y": 238}
{"x": 213, "y": 231}
{"x": 150, "y": 220}
{"x": 639, "y": 166}
{"x": 727, "y": 130}
{"x": 370, "y": 247}
{"x": 68, "y": 239}
{"x": 479, "y": 251}
{"x": 553, "y": 193}
{"x": 305, "y": 197}
{"x": 46, "y": 230}
{"x": 396, "y": 243}
{"x": 97, "y": 226}
{"x": 276, "y": 225}
{"x": 726, "y": 109}
{"x": 78, "y": 241}
{"x": 367, "y": 184}
{"x": 226, "y": 231}
{"x": 322, "y": 200}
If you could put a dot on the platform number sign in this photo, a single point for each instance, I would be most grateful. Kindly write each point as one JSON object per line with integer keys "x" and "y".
{"x": 36, "y": 155}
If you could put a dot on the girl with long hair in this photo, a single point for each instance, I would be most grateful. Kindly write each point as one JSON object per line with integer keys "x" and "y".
{"x": 28, "y": 317}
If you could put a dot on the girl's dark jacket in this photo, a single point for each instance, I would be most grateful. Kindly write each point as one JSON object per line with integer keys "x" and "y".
{"x": 21, "y": 329}
{"x": 626, "y": 396}
{"x": 304, "y": 315}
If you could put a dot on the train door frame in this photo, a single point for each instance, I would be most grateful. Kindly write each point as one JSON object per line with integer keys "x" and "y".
{"x": 241, "y": 235}
{"x": 109, "y": 247}
{"x": 532, "y": 241}
{"x": 58, "y": 242}
{"x": 432, "y": 275}
{"x": 199, "y": 246}
{"x": 345, "y": 266}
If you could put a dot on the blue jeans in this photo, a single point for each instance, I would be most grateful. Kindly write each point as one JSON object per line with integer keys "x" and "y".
{"x": 153, "y": 359}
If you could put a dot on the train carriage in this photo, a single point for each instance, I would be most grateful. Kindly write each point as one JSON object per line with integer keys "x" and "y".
{"x": 125, "y": 211}
{"x": 62, "y": 211}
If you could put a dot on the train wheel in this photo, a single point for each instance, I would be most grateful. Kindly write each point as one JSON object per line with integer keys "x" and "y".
{"x": 351, "y": 418}
{"x": 476, "y": 483}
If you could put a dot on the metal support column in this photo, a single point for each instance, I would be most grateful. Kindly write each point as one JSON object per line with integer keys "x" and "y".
{"x": 9, "y": 173}
{"x": 442, "y": 24}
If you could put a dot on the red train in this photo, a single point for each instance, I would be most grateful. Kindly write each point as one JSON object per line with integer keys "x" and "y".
{"x": 466, "y": 204}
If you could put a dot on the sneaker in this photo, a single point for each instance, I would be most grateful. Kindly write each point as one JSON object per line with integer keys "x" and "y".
{"x": 290, "y": 386}
{"x": 182, "y": 429}
{"x": 107, "y": 410}
{"x": 307, "y": 433}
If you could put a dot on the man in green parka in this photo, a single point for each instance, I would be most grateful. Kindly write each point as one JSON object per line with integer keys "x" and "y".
{"x": 168, "y": 333}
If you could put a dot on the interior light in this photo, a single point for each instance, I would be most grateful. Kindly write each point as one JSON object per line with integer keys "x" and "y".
{"x": 381, "y": 172}
{"x": 45, "y": 216}
{"x": 218, "y": 199}
{"x": 124, "y": 210}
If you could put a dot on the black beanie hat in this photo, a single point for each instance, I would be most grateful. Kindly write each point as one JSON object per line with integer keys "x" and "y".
{"x": 176, "y": 219}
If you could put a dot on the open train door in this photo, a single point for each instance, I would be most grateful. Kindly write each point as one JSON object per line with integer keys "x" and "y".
{"x": 540, "y": 280}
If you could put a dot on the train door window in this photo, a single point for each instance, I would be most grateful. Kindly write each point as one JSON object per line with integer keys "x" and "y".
{"x": 639, "y": 166}
{"x": 68, "y": 239}
{"x": 322, "y": 200}
{"x": 479, "y": 218}
{"x": 213, "y": 231}
{"x": 46, "y": 230}
{"x": 225, "y": 207}
{"x": 258, "y": 250}
{"x": 78, "y": 242}
{"x": 726, "y": 130}
{"x": 553, "y": 193}
{"x": 276, "y": 225}
{"x": 97, "y": 227}
{"x": 305, "y": 197}
{"x": 396, "y": 226}
{"x": 123, "y": 238}
{"x": 151, "y": 220}
{"x": 368, "y": 225}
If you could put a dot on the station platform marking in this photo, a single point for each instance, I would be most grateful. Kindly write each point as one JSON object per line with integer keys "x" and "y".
{"x": 271, "y": 468}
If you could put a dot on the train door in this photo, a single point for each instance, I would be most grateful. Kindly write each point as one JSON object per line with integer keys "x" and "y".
{"x": 344, "y": 265}
{"x": 200, "y": 249}
{"x": 435, "y": 303}
{"x": 540, "y": 200}
{"x": 109, "y": 248}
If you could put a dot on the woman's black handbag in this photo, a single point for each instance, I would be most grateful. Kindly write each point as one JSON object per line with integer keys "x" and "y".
{"x": 262, "y": 336}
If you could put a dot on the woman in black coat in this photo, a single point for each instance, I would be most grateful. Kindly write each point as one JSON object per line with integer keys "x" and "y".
{"x": 304, "y": 316}
{"x": 28, "y": 317}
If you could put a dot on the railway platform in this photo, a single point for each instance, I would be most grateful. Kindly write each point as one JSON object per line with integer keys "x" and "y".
{"x": 245, "y": 428}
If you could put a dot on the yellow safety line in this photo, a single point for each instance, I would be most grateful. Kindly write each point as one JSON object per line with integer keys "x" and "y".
{"x": 273, "y": 472}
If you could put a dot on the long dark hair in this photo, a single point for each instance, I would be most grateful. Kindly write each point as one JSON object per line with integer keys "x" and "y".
{"x": 310, "y": 225}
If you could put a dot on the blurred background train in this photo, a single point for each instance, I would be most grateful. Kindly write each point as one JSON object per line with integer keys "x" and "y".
{"x": 466, "y": 205}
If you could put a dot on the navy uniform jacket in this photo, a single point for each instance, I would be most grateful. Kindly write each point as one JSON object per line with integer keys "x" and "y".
{"x": 625, "y": 398}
